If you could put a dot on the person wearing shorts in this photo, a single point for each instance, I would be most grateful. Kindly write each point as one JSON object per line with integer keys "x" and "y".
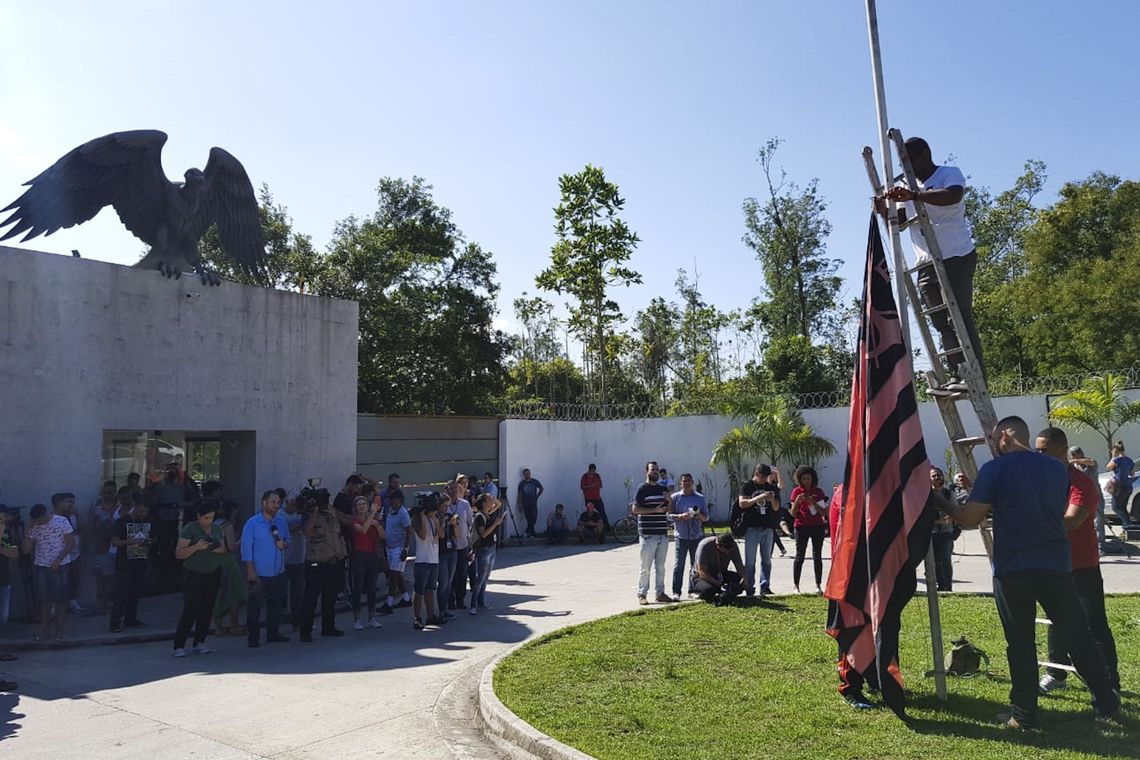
{"x": 397, "y": 537}
{"x": 426, "y": 531}
{"x": 49, "y": 540}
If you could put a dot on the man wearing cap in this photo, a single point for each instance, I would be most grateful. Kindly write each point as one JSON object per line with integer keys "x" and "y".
{"x": 1088, "y": 466}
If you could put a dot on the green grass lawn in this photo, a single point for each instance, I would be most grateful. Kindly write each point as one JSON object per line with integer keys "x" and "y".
{"x": 696, "y": 681}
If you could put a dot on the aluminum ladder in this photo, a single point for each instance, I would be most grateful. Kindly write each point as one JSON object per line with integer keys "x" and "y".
{"x": 968, "y": 369}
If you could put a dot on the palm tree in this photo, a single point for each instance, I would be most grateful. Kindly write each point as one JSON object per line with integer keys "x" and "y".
{"x": 776, "y": 432}
{"x": 1100, "y": 405}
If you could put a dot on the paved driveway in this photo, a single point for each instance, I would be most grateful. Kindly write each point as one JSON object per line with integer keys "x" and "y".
{"x": 393, "y": 693}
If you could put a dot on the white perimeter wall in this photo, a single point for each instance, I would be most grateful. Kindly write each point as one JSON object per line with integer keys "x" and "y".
{"x": 557, "y": 453}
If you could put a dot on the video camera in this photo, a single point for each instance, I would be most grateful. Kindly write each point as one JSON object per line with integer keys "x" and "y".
{"x": 427, "y": 500}
{"x": 314, "y": 499}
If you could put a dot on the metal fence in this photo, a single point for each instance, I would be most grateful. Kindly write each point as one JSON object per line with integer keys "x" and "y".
{"x": 999, "y": 386}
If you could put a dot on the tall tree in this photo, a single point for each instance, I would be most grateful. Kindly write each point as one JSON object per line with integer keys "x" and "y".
{"x": 788, "y": 232}
{"x": 538, "y": 341}
{"x": 593, "y": 244}
{"x": 426, "y": 298}
{"x": 775, "y": 431}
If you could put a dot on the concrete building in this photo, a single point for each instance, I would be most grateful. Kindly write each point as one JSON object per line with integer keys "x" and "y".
{"x": 108, "y": 369}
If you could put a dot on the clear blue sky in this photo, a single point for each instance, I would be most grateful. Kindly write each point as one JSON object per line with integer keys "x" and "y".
{"x": 491, "y": 101}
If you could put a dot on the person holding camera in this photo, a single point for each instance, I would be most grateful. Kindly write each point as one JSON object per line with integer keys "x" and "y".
{"x": 264, "y": 540}
{"x": 324, "y": 564}
{"x": 483, "y": 532}
{"x": 464, "y": 554}
{"x": 397, "y": 543}
{"x": 426, "y": 531}
{"x": 690, "y": 513}
{"x": 711, "y": 579}
{"x": 200, "y": 548}
{"x": 367, "y": 538}
{"x": 759, "y": 512}
{"x": 448, "y": 545}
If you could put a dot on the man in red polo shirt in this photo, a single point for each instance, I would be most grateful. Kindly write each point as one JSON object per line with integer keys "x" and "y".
{"x": 591, "y": 485}
{"x": 1080, "y": 519}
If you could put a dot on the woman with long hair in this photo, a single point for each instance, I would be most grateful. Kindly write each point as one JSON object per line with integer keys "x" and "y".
{"x": 1121, "y": 466}
{"x": 364, "y": 563}
{"x": 234, "y": 591}
{"x": 809, "y": 511}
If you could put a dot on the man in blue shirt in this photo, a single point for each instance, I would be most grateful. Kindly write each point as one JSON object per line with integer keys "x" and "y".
{"x": 1028, "y": 494}
{"x": 690, "y": 513}
{"x": 529, "y": 491}
{"x": 264, "y": 540}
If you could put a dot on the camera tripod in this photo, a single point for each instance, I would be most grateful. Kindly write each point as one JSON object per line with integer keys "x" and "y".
{"x": 518, "y": 537}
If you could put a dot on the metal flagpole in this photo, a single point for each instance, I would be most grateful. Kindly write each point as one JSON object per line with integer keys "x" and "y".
{"x": 904, "y": 318}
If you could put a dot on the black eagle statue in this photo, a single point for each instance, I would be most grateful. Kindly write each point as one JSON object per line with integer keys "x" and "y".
{"x": 124, "y": 170}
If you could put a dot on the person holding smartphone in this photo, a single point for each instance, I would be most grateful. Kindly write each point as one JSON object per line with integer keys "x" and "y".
{"x": 200, "y": 548}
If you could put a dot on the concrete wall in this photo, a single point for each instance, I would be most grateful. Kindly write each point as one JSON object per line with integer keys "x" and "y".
{"x": 557, "y": 453}
{"x": 87, "y": 346}
{"x": 424, "y": 449}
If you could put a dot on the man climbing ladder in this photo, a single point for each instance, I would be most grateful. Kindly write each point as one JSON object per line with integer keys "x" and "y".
{"x": 941, "y": 190}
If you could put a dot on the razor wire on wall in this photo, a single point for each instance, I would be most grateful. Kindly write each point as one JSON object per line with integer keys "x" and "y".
{"x": 1000, "y": 386}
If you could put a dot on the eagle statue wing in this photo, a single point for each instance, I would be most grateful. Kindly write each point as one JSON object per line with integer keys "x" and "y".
{"x": 123, "y": 170}
{"x": 231, "y": 204}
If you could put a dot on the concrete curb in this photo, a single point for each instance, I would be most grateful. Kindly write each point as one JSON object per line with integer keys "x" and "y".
{"x": 512, "y": 735}
{"x": 26, "y": 645}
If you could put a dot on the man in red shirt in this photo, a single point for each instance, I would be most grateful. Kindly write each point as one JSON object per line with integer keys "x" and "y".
{"x": 1080, "y": 518}
{"x": 591, "y": 485}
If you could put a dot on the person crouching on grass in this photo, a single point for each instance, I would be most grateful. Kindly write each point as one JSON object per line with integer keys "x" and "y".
{"x": 711, "y": 579}
{"x": 426, "y": 531}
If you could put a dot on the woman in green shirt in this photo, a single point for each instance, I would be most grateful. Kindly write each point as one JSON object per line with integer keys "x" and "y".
{"x": 201, "y": 547}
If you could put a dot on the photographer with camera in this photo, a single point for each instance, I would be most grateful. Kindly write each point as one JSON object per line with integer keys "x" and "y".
{"x": 711, "y": 579}
{"x": 199, "y": 549}
{"x": 759, "y": 511}
{"x": 367, "y": 538}
{"x": 448, "y": 541}
{"x": 426, "y": 530}
{"x": 324, "y": 563}
{"x": 483, "y": 532}
{"x": 690, "y": 513}
{"x": 465, "y": 555}
{"x": 264, "y": 539}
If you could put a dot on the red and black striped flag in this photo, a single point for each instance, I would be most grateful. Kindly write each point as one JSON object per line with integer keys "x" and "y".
{"x": 884, "y": 526}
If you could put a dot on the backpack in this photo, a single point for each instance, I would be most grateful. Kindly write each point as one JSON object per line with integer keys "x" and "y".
{"x": 966, "y": 660}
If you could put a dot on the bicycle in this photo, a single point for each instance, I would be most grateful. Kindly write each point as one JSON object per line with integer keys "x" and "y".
{"x": 625, "y": 529}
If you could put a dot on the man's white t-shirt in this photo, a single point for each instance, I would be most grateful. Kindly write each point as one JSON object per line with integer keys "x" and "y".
{"x": 949, "y": 222}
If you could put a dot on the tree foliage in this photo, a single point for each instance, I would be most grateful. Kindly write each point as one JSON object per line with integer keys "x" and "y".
{"x": 426, "y": 298}
{"x": 593, "y": 245}
{"x": 788, "y": 230}
{"x": 775, "y": 432}
{"x": 1100, "y": 406}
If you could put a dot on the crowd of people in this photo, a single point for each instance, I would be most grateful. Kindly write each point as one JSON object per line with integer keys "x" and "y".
{"x": 295, "y": 551}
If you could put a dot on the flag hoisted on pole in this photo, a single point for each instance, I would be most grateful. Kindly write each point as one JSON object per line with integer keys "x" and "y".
{"x": 884, "y": 522}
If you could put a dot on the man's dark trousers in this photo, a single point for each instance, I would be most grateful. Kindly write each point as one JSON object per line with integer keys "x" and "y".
{"x": 1090, "y": 593}
{"x": 683, "y": 547}
{"x": 531, "y": 513}
{"x": 1017, "y": 595}
{"x": 269, "y": 591}
{"x": 324, "y": 581}
{"x": 960, "y": 272}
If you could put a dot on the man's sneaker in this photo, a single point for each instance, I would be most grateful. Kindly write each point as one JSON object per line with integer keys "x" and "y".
{"x": 1007, "y": 720}
{"x": 116, "y": 627}
{"x": 135, "y": 624}
{"x": 1108, "y": 719}
{"x": 818, "y": 591}
{"x": 956, "y": 384}
{"x": 798, "y": 590}
{"x": 1051, "y": 683}
{"x": 332, "y": 632}
{"x": 472, "y": 611}
{"x": 180, "y": 652}
{"x": 404, "y": 603}
{"x": 200, "y": 649}
{"x": 374, "y": 624}
{"x": 417, "y": 625}
{"x": 642, "y": 600}
{"x": 384, "y": 609}
{"x": 665, "y": 599}
{"x": 858, "y": 701}
{"x": 358, "y": 625}
{"x": 448, "y": 615}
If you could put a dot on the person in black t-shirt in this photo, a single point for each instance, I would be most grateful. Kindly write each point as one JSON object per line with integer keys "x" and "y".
{"x": 759, "y": 506}
{"x": 651, "y": 505}
{"x": 132, "y": 539}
